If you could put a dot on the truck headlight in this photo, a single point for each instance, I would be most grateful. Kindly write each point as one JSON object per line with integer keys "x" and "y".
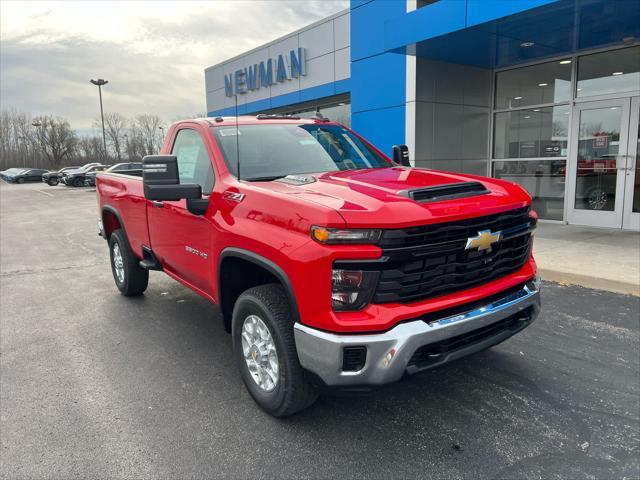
{"x": 343, "y": 236}
{"x": 352, "y": 289}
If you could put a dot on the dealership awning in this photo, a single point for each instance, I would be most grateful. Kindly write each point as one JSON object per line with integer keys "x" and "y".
{"x": 497, "y": 33}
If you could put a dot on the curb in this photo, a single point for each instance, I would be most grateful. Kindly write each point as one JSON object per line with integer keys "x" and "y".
{"x": 615, "y": 286}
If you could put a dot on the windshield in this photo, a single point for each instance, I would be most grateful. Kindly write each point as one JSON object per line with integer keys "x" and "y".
{"x": 268, "y": 151}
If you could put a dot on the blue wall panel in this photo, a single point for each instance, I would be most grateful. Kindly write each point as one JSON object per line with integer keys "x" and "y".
{"x": 378, "y": 82}
{"x": 378, "y": 79}
{"x": 429, "y": 21}
{"x": 380, "y": 127}
{"x": 367, "y": 26}
{"x": 481, "y": 11}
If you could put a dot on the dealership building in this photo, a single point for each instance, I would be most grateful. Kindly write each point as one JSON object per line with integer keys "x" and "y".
{"x": 545, "y": 93}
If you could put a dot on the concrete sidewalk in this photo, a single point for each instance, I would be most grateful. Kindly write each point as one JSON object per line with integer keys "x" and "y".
{"x": 604, "y": 259}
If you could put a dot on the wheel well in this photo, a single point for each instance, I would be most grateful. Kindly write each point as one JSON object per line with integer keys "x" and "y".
{"x": 110, "y": 222}
{"x": 236, "y": 276}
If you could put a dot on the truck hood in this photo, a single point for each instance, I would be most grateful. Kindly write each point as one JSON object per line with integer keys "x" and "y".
{"x": 378, "y": 198}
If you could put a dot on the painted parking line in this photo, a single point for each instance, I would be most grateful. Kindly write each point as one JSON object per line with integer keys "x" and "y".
{"x": 45, "y": 193}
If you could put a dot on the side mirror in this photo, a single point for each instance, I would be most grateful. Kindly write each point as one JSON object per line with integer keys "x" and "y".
{"x": 401, "y": 155}
{"x": 161, "y": 181}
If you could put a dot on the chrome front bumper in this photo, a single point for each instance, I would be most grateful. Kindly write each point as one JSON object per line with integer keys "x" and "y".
{"x": 389, "y": 354}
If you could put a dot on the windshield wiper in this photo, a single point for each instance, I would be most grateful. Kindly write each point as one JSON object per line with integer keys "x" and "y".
{"x": 264, "y": 179}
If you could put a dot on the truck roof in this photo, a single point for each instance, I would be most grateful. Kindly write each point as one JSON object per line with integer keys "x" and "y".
{"x": 257, "y": 119}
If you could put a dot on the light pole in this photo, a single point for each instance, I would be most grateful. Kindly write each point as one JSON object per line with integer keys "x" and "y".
{"x": 100, "y": 82}
{"x": 161, "y": 137}
{"x": 126, "y": 141}
{"x": 38, "y": 124}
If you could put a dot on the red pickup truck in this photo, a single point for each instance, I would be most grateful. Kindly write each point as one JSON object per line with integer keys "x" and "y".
{"x": 333, "y": 265}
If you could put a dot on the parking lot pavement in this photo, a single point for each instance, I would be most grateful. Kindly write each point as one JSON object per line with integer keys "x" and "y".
{"x": 93, "y": 384}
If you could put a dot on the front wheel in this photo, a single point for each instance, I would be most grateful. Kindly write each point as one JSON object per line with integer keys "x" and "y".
{"x": 78, "y": 182}
{"x": 21, "y": 180}
{"x": 265, "y": 351}
{"x": 130, "y": 278}
{"x": 53, "y": 182}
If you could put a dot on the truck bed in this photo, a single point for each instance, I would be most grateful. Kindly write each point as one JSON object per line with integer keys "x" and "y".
{"x": 123, "y": 193}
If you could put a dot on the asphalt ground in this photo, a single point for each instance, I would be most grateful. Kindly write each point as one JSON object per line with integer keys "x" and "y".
{"x": 96, "y": 385}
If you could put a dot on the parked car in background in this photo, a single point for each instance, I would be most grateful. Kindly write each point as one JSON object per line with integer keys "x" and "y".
{"x": 9, "y": 173}
{"x": 126, "y": 167}
{"x": 52, "y": 177}
{"x": 22, "y": 175}
{"x": 75, "y": 178}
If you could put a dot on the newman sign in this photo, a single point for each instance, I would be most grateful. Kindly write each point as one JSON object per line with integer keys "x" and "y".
{"x": 264, "y": 74}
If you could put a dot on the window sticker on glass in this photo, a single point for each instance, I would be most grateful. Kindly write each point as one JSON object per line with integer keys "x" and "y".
{"x": 228, "y": 132}
{"x": 309, "y": 141}
{"x": 187, "y": 159}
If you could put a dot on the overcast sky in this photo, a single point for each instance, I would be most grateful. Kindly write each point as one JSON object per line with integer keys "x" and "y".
{"x": 153, "y": 53}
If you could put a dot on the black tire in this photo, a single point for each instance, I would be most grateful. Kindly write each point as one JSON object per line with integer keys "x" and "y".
{"x": 292, "y": 391}
{"x": 53, "y": 182}
{"x": 21, "y": 180}
{"x": 78, "y": 182}
{"x": 135, "y": 279}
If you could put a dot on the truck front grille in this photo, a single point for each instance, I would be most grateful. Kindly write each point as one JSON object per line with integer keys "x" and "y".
{"x": 427, "y": 261}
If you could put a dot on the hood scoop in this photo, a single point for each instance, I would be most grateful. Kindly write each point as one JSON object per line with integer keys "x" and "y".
{"x": 445, "y": 192}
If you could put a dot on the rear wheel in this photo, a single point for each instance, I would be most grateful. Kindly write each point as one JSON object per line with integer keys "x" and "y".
{"x": 265, "y": 351}
{"x": 53, "y": 182}
{"x": 130, "y": 278}
{"x": 21, "y": 180}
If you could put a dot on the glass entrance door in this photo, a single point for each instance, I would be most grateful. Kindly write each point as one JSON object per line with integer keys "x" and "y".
{"x": 598, "y": 162}
{"x": 631, "y": 214}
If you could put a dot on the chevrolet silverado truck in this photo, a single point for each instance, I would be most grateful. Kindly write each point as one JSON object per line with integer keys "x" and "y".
{"x": 333, "y": 265}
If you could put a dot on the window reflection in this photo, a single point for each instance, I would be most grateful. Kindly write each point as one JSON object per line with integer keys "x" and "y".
{"x": 538, "y": 132}
{"x": 543, "y": 179}
{"x": 598, "y": 148}
{"x": 538, "y": 84}
{"x": 609, "y": 72}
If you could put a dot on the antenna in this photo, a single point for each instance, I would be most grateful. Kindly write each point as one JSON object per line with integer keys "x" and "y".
{"x": 237, "y": 139}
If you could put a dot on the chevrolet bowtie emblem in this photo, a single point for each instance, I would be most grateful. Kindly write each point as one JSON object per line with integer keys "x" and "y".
{"x": 483, "y": 241}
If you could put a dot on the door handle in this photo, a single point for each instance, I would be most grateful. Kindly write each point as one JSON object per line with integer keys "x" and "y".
{"x": 158, "y": 204}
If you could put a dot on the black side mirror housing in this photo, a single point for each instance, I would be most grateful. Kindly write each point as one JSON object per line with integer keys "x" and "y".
{"x": 401, "y": 155}
{"x": 161, "y": 181}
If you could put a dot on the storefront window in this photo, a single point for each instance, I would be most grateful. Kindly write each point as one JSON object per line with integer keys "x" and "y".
{"x": 543, "y": 179}
{"x": 535, "y": 85}
{"x": 614, "y": 71}
{"x": 531, "y": 133}
{"x": 338, "y": 113}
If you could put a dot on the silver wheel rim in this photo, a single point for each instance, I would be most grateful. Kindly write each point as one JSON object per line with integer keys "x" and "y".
{"x": 260, "y": 353}
{"x": 597, "y": 199}
{"x": 118, "y": 263}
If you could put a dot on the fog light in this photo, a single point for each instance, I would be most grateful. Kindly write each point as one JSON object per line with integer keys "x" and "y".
{"x": 351, "y": 289}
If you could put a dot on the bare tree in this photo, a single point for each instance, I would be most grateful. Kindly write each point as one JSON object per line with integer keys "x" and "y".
{"x": 115, "y": 128}
{"x": 56, "y": 139}
{"x": 146, "y": 129}
{"x": 90, "y": 149}
{"x": 18, "y": 145}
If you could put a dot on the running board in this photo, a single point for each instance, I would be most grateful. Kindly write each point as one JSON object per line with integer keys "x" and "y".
{"x": 150, "y": 262}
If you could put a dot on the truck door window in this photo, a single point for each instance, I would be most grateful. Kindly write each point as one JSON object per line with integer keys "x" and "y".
{"x": 194, "y": 165}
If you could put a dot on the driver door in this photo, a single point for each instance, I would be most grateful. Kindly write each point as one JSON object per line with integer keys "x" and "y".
{"x": 180, "y": 239}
